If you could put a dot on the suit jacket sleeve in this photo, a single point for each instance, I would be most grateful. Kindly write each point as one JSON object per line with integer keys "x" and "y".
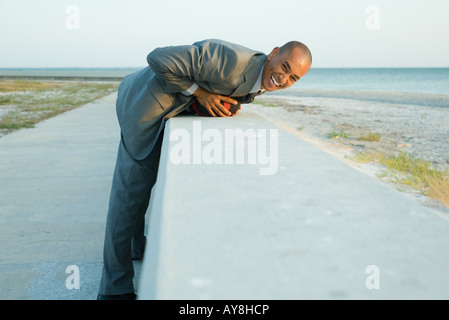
{"x": 175, "y": 66}
{"x": 206, "y": 62}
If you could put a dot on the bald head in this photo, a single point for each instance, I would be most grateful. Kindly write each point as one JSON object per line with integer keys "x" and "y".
{"x": 291, "y": 45}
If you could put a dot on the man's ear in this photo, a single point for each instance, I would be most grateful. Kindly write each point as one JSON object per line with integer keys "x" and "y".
{"x": 273, "y": 53}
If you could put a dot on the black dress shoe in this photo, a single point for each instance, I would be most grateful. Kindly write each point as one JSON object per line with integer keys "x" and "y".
{"x": 126, "y": 296}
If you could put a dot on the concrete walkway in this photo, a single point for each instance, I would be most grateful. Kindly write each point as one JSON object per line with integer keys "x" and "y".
{"x": 54, "y": 188}
{"x": 55, "y": 181}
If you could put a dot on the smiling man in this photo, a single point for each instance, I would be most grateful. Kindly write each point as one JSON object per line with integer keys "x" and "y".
{"x": 281, "y": 69}
{"x": 210, "y": 72}
{"x": 286, "y": 65}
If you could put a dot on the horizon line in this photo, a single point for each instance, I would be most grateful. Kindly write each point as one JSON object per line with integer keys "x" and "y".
{"x": 140, "y": 67}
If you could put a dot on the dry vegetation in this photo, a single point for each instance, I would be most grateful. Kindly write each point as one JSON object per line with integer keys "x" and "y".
{"x": 25, "y": 103}
{"x": 405, "y": 170}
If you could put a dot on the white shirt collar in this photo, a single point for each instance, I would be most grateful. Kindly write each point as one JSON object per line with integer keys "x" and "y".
{"x": 258, "y": 84}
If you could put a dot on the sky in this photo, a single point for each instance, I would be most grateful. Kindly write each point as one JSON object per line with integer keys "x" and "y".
{"x": 118, "y": 33}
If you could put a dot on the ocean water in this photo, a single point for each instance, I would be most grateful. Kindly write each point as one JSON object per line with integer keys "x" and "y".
{"x": 411, "y": 86}
{"x": 404, "y": 80}
{"x": 418, "y": 86}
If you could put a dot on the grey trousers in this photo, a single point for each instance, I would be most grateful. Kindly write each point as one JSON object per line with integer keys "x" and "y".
{"x": 125, "y": 224}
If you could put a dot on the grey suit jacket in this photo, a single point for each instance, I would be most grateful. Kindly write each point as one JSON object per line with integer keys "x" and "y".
{"x": 147, "y": 98}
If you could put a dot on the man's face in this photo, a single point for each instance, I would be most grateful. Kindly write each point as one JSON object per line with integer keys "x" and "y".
{"x": 283, "y": 69}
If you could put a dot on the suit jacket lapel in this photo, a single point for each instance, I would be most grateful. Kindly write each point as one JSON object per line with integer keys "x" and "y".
{"x": 250, "y": 76}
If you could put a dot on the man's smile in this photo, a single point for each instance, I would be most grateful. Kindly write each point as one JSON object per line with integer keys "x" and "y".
{"x": 274, "y": 82}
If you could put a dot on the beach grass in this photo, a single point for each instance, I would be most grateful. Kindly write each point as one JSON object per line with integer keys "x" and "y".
{"x": 27, "y": 85}
{"x": 23, "y": 103}
{"x": 405, "y": 170}
{"x": 371, "y": 136}
{"x": 337, "y": 134}
{"x": 265, "y": 103}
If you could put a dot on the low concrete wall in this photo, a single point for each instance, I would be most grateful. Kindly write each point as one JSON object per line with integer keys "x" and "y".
{"x": 289, "y": 222}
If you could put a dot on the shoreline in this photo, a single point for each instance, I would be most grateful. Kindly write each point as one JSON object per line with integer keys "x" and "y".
{"x": 394, "y": 97}
{"x": 337, "y": 126}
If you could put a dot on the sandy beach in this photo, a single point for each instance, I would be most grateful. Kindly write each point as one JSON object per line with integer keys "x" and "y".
{"x": 338, "y": 125}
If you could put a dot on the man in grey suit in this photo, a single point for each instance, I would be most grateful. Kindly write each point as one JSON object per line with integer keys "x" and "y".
{"x": 210, "y": 71}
